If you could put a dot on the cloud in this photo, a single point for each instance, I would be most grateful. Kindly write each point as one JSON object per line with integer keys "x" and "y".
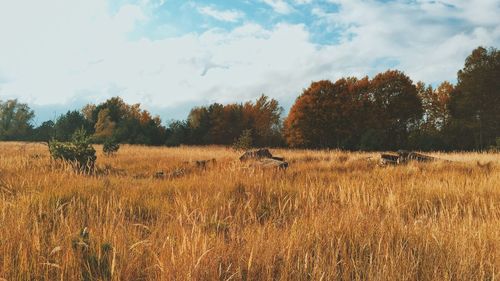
{"x": 428, "y": 39}
{"x": 221, "y": 15}
{"x": 303, "y": 2}
{"x": 279, "y": 6}
{"x": 60, "y": 51}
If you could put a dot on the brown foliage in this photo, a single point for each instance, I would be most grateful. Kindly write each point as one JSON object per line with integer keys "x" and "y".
{"x": 338, "y": 114}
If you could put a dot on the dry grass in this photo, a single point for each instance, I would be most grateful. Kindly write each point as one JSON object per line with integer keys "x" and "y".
{"x": 331, "y": 216}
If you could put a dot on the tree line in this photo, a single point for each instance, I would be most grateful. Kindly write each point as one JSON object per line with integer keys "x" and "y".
{"x": 388, "y": 111}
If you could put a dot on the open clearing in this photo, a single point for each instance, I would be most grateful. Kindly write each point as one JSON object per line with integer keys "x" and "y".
{"x": 152, "y": 214}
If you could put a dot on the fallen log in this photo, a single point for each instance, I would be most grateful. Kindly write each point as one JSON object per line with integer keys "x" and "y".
{"x": 271, "y": 163}
{"x": 386, "y": 159}
{"x": 264, "y": 159}
{"x": 256, "y": 154}
{"x": 403, "y": 157}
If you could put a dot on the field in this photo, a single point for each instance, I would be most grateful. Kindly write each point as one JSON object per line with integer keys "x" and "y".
{"x": 332, "y": 215}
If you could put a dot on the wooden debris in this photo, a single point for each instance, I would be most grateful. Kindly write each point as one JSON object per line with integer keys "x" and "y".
{"x": 256, "y": 154}
{"x": 386, "y": 159}
{"x": 273, "y": 163}
{"x": 264, "y": 159}
{"x": 403, "y": 157}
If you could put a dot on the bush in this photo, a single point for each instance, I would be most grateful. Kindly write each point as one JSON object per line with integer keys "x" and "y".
{"x": 496, "y": 147}
{"x": 244, "y": 142}
{"x": 79, "y": 152}
{"x": 110, "y": 147}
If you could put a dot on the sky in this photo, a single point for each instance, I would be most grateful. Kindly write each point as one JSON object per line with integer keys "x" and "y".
{"x": 171, "y": 55}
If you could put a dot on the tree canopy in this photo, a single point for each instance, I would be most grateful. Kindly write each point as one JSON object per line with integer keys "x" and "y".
{"x": 475, "y": 105}
{"x": 351, "y": 112}
{"x": 386, "y": 112}
{"x": 15, "y": 120}
{"x": 224, "y": 124}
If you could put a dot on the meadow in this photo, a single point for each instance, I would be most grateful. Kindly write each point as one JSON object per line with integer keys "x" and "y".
{"x": 332, "y": 215}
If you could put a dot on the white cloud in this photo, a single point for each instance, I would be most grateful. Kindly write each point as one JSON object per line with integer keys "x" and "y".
{"x": 62, "y": 52}
{"x": 58, "y": 51}
{"x": 303, "y": 2}
{"x": 429, "y": 39}
{"x": 279, "y": 6}
{"x": 221, "y": 15}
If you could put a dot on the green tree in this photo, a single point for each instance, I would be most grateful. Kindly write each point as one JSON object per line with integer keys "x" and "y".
{"x": 131, "y": 123}
{"x": 110, "y": 147}
{"x": 78, "y": 152}
{"x": 396, "y": 107}
{"x": 475, "y": 105}
{"x": 245, "y": 141}
{"x": 177, "y": 133}
{"x": 67, "y": 124}
{"x": 44, "y": 132}
{"x": 199, "y": 124}
{"x": 15, "y": 120}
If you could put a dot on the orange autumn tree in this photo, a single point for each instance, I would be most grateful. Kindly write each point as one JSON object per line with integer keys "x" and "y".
{"x": 355, "y": 113}
{"x": 104, "y": 127}
{"x": 224, "y": 124}
{"x": 328, "y": 114}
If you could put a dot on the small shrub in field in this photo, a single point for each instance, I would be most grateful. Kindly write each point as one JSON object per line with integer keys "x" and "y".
{"x": 110, "y": 147}
{"x": 244, "y": 142}
{"x": 79, "y": 152}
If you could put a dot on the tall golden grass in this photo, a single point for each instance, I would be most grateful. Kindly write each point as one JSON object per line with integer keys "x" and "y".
{"x": 332, "y": 215}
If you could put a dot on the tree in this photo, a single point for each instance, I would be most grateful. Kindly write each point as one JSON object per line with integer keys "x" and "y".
{"x": 244, "y": 142}
{"x": 265, "y": 120}
{"x": 177, "y": 133}
{"x": 430, "y": 132}
{"x": 307, "y": 122}
{"x": 15, "y": 120}
{"x": 475, "y": 104}
{"x": 199, "y": 124}
{"x": 110, "y": 147}
{"x": 131, "y": 123}
{"x": 88, "y": 112}
{"x": 78, "y": 152}
{"x": 104, "y": 127}
{"x": 435, "y": 105}
{"x": 44, "y": 132}
{"x": 224, "y": 124}
{"x": 355, "y": 113}
{"x": 328, "y": 115}
{"x": 67, "y": 124}
{"x": 118, "y": 109}
{"x": 396, "y": 107}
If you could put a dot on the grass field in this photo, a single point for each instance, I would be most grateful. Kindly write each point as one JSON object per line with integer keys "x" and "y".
{"x": 331, "y": 216}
